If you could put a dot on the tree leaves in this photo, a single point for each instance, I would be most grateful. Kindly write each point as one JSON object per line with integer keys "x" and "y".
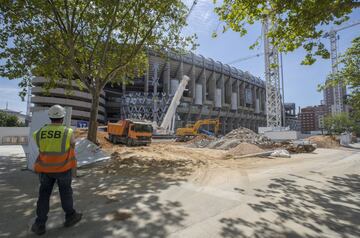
{"x": 92, "y": 41}
{"x": 349, "y": 75}
{"x": 297, "y": 22}
{"x": 88, "y": 42}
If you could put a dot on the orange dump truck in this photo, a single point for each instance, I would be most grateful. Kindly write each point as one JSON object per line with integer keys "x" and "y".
{"x": 130, "y": 132}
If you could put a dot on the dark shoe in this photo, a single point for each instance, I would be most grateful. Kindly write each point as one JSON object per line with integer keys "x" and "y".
{"x": 38, "y": 229}
{"x": 73, "y": 219}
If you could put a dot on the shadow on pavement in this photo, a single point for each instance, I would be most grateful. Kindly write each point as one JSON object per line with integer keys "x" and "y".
{"x": 314, "y": 210}
{"x": 125, "y": 204}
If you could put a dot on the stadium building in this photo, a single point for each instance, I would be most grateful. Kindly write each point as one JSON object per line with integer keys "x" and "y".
{"x": 215, "y": 90}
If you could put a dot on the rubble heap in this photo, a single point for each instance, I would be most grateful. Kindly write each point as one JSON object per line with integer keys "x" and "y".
{"x": 233, "y": 139}
{"x": 248, "y": 136}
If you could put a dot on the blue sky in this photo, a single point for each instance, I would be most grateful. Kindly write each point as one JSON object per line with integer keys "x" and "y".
{"x": 300, "y": 81}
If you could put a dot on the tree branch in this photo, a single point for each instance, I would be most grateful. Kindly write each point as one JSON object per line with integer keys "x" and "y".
{"x": 57, "y": 16}
{"x": 116, "y": 69}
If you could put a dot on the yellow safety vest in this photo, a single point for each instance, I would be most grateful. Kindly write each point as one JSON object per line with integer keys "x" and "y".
{"x": 55, "y": 152}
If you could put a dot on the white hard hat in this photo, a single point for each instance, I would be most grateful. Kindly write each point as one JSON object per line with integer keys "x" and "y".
{"x": 56, "y": 112}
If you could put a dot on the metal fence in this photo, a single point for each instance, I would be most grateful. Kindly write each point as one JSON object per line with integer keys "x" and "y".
{"x": 15, "y": 140}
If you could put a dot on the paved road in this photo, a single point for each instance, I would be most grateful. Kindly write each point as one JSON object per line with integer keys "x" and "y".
{"x": 312, "y": 195}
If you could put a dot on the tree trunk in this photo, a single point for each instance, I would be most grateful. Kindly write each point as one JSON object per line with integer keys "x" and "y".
{"x": 92, "y": 133}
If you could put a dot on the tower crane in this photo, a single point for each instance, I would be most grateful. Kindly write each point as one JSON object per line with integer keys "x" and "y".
{"x": 245, "y": 58}
{"x": 272, "y": 79}
{"x": 338, "y": 90}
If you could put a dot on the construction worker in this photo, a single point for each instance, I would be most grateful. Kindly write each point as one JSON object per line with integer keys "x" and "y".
{"x": 55, "y": 163}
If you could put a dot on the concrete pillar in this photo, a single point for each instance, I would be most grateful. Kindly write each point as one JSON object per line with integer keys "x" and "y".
{"x": 263, "y": 91}
{"x": 180, "y": 72}
{"x": 253, "y": 92}
{"x": 228, "y": 90}
{"x": 212, "y": 87}
{"x": 222, "y": 87}
{"x": 203, "y": 83}
{"x": 237, "y": 89}
{"x": 192, "y": 81}
{"x": 260, "y": 100}
{"x": 146, "y": 83}
{"x": 242, "y": 90}
{"x": 166, "y": 77}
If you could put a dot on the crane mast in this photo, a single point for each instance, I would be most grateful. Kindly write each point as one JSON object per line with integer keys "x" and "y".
{"x": 272, "y": 79}
{"x": 339, "y": 90}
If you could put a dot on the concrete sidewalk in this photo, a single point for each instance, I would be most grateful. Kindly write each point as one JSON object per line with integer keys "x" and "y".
{"x": 309, "y": 195}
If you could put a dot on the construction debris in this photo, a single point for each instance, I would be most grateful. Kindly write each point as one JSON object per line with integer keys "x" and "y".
{"x": 233, "y": 139}
{"x": 246, "y": 135}
{"x": 301, "y": 146}
{"x": 260, "y": 154}
{"x": 280, "y": 153}
{"x": 88, "y": 153}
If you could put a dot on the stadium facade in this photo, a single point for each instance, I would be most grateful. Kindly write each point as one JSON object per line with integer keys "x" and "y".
{"x": 215, "y": 90}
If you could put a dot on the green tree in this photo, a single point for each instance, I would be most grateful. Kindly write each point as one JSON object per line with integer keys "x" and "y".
{"x": 297, "y": 21}
{"x": 349, "y": 75}
{"x": 7, "y": 120}
{"x": 90, "y": 43}
{"x": 339, "y": 123}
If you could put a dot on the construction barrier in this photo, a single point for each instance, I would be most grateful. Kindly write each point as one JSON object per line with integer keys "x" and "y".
{"x": 15, "y": 140}
{"x": 14, "y": 135}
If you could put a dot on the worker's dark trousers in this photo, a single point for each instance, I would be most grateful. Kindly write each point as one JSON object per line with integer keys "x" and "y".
{"x": 47, "y": 181}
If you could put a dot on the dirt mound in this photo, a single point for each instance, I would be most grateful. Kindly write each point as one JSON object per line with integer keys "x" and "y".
{"x": 101, "y": 137}
{"x": 159, "y": 156}
{"x": 80, "y": 133}
{"x": 244, "y": 149}
{"x": 324, "y": 141}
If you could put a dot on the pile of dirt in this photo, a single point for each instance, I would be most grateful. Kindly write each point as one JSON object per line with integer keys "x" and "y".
{"x": 233, "y": 139}
{"x": 80, "y": 133}
{"x": 102, "y": 136}
{"x": 158, "y": 156}
{"x": 244, "y": 149}
{"x": 324, "y": 141}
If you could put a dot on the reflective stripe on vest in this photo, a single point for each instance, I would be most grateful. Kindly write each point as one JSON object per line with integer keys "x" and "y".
{"x": 55, "y": 152}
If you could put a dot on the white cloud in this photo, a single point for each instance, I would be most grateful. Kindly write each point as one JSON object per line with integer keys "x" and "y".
{"x": 202, "y": 19}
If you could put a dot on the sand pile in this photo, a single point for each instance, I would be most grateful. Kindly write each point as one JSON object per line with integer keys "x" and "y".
{"x": 233, "y": 139}
{"x": 159, "y": 156}
{"x": 244, "y": 149}
{"x": 101, "y": 137}
{"x": 138, "y": 161}
{"x": 324, "y": 141}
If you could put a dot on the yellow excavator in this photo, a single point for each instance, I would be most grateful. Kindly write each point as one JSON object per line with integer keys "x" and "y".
{"x": 192, "y": 130}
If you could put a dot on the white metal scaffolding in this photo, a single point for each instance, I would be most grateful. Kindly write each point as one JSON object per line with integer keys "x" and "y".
{"x": 272, "y": 76}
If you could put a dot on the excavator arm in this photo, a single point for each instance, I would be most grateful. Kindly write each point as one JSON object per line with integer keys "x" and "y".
{"x": 200, "y": 123}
